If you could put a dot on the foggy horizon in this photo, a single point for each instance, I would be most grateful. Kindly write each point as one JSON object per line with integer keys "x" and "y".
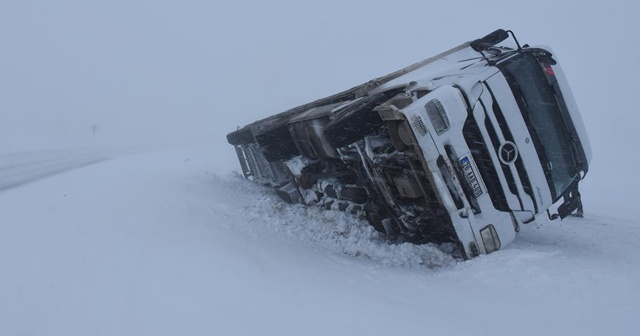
{"x": 162, "y": 72}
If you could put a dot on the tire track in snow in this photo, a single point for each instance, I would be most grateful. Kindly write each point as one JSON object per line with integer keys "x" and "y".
{"x": 17, "y": 169}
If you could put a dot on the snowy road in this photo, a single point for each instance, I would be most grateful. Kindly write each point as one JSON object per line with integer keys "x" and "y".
{"x": 20, "y": 168}
{"x": 164, "y": 243}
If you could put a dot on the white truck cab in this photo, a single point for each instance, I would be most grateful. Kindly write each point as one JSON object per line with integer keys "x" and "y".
{"x": 462, "y": 148}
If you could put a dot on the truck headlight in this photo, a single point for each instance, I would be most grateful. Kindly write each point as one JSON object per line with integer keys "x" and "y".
{"x": 490, "y": 238}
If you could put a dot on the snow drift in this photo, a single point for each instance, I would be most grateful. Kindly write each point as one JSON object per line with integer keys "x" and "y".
{"x": 166, "y": 242}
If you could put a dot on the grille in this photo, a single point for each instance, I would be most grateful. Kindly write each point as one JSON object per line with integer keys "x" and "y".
{"x": 522, "y": 172}
{"x": 438, "y": 116}
{"x": 480, "y": 152}
{"x": 419, "y": 125}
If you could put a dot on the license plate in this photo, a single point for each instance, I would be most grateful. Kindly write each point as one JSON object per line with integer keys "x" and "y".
{"x": 470, "y": 175}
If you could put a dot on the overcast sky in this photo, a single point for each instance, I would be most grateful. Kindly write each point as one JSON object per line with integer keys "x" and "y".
{"x": 182, "y": 71}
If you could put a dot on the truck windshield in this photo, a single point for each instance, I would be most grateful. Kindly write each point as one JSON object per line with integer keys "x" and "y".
{"x": 539, "y": 106}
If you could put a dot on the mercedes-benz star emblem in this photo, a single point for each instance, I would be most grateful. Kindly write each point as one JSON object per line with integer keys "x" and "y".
{"x": 508, "y": 153}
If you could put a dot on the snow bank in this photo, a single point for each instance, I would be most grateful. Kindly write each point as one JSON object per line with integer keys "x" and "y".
{"x": 166, "y": 243}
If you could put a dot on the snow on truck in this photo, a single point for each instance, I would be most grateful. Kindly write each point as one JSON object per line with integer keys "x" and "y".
{"x": 463, "y": 147}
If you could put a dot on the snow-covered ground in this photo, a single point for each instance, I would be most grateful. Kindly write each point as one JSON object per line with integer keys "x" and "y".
{"x": 170, "y": 242}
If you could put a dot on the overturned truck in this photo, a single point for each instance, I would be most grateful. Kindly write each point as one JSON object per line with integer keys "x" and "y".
{"x": 463, "y": 147}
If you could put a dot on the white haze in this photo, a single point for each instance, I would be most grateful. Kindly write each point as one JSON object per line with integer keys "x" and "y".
{"x": 163, "y": 72}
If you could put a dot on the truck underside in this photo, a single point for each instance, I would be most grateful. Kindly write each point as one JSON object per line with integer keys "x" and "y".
{"x": 349, "y": 153}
